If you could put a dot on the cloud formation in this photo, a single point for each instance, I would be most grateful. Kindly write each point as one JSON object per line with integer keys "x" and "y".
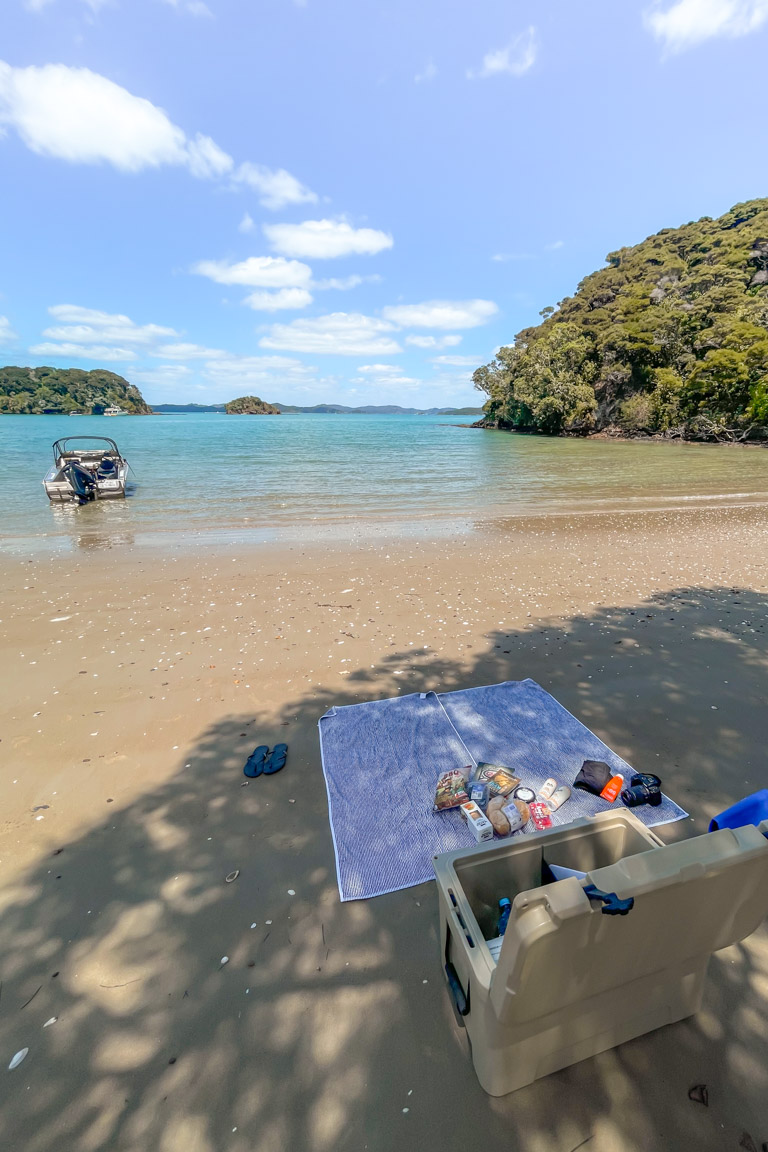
{"x": 7, "y": 333}
{"x": 284, "y": 298}
{"x": 96, "y": 335}
{"x": 441, "y": 313}
{"x": 325, "y": 239}
{"x": 688, "y": 22}
{"x": 276, "y": 188}
{"x": 433, "y": 341}
{"x": 79, "y": 116}
{"x": 257, "y": 272}
{"x": 339, "y": 333}
{"x": 517, "y": 58}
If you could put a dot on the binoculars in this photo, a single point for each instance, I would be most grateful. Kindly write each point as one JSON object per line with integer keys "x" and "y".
{"x": 644, "y": 788}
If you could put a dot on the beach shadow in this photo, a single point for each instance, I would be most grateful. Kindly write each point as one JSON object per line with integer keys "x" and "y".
{"x": 328, "y": 1027}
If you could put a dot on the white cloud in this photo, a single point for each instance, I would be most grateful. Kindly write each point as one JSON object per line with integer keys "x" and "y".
{"x": 343, "y": 283}
{"x": 377, "y": 369}
{"x": 77, "y": 115}
{"x": 205, "y": 159}
{"x": 194, "y": 7}
{"x": 246, "y": 224}
{"x": 186, "y": 352}
{"x": 515, "y": 60}
{"x": 7, "y": 333}
{"x": 325, "y": 239}
{"x": 340, "y": 333}
{"x": 276, "y": 188}
{"x": 441, "y": 313}
{"x": 162, "y": 375}
{"x": 90, "y": 326}
{"x": 84, "y": 351}
{"x": 688, "y": 22}
{"x": 433, "y": 341}
{"x": 553, "y": 247}
{"x": 240, "y": 374}
{"x": 257, "y": 272}
{"x": 457, "y": 361}
{"x": 280, "y": 300}
{"x": 429, "y": 73}
{"x": 38, "y": 5}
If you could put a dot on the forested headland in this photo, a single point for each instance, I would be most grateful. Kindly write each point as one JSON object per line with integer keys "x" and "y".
{"x": 37, "y": 391}
{"x": 670, "y": 338}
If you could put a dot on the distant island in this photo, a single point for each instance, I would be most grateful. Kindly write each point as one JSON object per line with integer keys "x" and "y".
{"x": 250, "y": 406}
{"x": 671, "y": 339}
{"x": 48, "y": 391}
{"x": 325, "y": 409}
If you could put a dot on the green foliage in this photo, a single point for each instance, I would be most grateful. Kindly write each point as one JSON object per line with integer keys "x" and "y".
{"x": 251, "y": 406}
{"x": 38, "y": 390}
{"x": 671, "y": 336}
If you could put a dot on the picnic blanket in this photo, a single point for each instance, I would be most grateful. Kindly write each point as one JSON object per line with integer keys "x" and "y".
{"x": 381, "y": 761}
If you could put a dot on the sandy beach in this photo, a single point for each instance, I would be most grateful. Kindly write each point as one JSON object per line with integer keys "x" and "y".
{"x": 136, "y": 682}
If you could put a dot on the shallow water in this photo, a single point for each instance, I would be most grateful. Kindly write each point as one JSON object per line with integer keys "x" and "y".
{"x": 204, "y": 478}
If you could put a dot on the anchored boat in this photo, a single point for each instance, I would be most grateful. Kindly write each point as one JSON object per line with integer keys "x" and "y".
{"x": 86, "y": 468}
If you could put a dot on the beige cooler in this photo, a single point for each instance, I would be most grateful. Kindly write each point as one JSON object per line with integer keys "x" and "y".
{"x": 572, "y": 981}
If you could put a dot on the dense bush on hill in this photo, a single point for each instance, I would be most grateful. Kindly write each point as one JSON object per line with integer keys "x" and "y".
{"x": 670, "y": 338}
{"x": 251, "y": 406}
{"x": 40, "y": 390}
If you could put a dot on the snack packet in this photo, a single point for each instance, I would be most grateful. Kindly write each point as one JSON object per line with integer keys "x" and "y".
{"x": 451, "y": 789}
{"x": 500, "y": 780}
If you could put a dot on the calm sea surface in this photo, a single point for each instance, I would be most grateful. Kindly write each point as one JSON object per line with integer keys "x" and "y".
{"x": 208, "y": 477}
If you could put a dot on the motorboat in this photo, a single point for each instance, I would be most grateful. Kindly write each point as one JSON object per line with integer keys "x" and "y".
{"x": 115, "y": 410}
{"x": 86, "y": 468}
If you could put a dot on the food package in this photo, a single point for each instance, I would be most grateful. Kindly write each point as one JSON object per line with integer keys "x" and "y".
{"x": 498, "y": 818}
{"x": 451, "y": 789}
{"x": 477, "y": 821}
{"x": 500, "y": 780}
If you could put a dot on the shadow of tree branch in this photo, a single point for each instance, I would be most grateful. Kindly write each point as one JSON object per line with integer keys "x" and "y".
{"x": 328, "y": 1026}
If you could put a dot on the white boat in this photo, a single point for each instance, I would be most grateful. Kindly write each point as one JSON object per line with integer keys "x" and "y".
{"x": 86, "y": 468}
{"x": 115, "y": 410}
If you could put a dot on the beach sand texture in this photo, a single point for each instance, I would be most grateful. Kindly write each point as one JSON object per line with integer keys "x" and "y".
{"x": 136, "y": 682}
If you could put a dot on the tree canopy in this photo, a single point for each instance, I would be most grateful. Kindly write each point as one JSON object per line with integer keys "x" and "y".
{"x": 39, "y": 390}
{"x": 251, "y": 406}
{"x": 671, "y": 337}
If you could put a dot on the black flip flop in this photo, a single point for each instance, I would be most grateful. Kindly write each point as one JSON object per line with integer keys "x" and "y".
{"x": 254, "y": 765}
{"x": 276, "y": 759}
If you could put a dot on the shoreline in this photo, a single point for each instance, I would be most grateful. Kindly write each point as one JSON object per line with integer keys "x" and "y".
{"x": 614, "y": 434}
{"x": 357, "y": 534}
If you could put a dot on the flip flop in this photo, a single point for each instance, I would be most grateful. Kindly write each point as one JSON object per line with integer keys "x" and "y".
{"x": 276, "y": 759}
{"x": 254, "y": 765}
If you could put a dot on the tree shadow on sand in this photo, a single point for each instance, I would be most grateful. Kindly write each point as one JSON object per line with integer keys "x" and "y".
{"x": 329, "y": 1027}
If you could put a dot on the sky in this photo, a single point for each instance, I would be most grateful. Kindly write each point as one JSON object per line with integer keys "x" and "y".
{"x": 343, "y": 200}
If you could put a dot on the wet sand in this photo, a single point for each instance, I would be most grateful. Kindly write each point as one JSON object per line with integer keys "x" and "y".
{"x": 136, "y": 681}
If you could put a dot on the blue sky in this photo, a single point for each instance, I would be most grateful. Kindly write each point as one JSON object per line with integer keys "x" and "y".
{"x": 334, "y": 200}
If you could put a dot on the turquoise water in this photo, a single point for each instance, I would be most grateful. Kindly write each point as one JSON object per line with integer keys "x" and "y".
{"x": 200, "y": 478}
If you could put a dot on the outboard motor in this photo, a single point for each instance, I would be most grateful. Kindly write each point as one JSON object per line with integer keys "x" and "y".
{"x": 80, "y": 481}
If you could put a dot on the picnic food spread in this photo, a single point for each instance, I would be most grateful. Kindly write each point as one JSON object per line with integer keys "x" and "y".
{"x": 494, "y": 801}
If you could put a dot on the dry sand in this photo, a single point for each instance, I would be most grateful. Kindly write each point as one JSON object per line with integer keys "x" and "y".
{"x": 135, "y": 683}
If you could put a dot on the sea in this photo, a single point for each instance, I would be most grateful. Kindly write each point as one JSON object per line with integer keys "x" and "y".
{"x": 197, "y": 480}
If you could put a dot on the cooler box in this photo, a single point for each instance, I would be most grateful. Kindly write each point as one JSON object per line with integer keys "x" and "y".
{"x": 573, "y": 977}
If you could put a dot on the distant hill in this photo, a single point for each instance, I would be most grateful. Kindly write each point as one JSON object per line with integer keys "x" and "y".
{"x": 39, "y": 391}
{"x": 324, "y": 409}
{"x": 670, "y": 338}
{"x": 251, "y": 406}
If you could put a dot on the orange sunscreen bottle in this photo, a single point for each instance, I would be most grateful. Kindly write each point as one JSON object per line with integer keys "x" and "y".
{"x": 612, "y": 788}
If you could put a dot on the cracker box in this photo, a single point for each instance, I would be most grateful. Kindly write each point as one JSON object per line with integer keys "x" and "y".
{"x": 477, "y": 821}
